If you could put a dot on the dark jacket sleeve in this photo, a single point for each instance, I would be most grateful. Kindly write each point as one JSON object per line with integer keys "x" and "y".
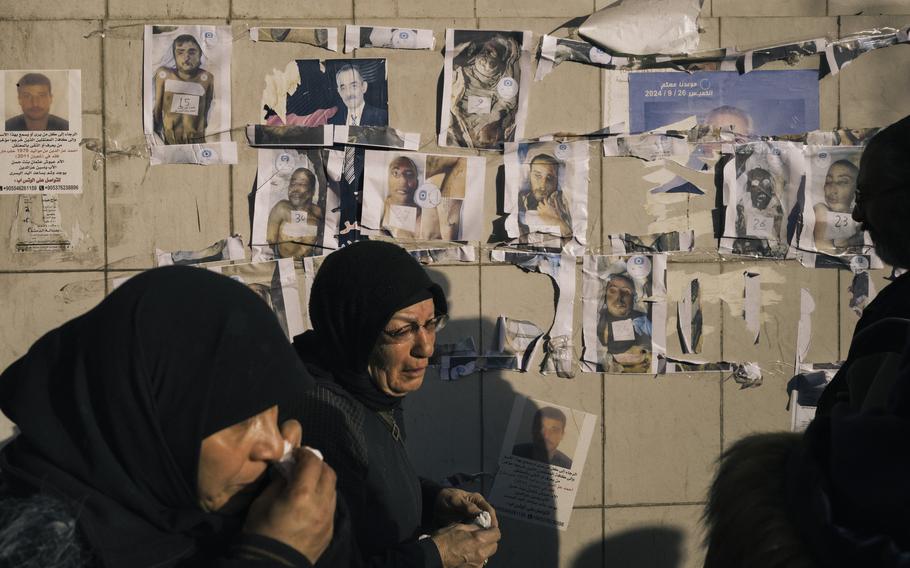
{"x": 429, "y": 491}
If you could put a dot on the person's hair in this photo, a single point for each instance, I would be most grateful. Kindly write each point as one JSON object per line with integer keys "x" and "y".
{"x": 758, "y": 172}
{"x": 30, "y": 79}
{"x": 184, "y": 38}
{"x": 884, "y": 163}
{"x": 748, "y": 518}
{"x": 310, "y": 176}
{"x": 847, "y": 164}
{"x": 727, "y": 109}
{"x": 622, "y": 275}
{"x": 348, "y": 67}
{"x": 548, "y": 412}
{"x": 545, "y": 159}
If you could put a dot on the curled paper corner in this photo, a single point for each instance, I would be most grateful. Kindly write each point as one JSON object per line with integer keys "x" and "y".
{"x": 747, "y": 375}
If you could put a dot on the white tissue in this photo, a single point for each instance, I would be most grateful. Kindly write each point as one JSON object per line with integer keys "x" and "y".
{"x": 285, "y": 465}
{"x": 483, "y": 520}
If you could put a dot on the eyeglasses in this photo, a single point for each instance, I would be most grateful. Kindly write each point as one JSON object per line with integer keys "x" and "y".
{"x": 410, "y": 331}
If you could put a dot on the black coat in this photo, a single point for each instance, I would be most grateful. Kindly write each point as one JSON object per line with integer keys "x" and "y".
{"x": 391, "y": 507}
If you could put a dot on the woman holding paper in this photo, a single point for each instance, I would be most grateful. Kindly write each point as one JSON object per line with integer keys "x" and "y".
{"x": 146, "y": 427}
{"x": 375, "y": 314}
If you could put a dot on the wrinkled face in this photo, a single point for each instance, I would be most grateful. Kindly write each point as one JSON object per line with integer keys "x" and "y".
{"x": 35, "y": 101}
{"x": 397, "y": 366}
{"x": 550, "y": 433}
{"x": 543, "y": 179}
{"x": 402, "y": 181}
{"x": 300, "y": 190}
{"x": 761, "y": 189}
{"x": 232, "y": 462}
{"x": 490, "y": 61}
{"x": 620, "y": 297}
{"x": 840, "y": 187}
{"x": 351, "y": 88}
{"x": 188, "y": 55}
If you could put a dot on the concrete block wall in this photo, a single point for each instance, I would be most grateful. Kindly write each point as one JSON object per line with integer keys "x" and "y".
{"x": 657, "y": 439}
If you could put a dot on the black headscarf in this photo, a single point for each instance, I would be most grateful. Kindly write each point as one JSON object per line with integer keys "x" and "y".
{"x": 356, "y": 292}
{"x": 113, "y": 407}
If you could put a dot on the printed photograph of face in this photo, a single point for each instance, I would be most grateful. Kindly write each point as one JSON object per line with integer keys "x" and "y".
{"x": 543, "y": 205}
{"x": 759, "y": 216}
{"x": 547, "y": 434}
{"x": 184, "y": 86}
{"x": 484, "y": 88}
{"x": 835, "y": 232}
{"x": 352, "y": 92}
{"x": 34, "y": 98}
{"x": 290, "y": 205}
{"x": 624, "y": 320}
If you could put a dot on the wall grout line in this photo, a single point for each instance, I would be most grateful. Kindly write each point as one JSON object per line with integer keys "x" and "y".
{"x": 106, "y": 261}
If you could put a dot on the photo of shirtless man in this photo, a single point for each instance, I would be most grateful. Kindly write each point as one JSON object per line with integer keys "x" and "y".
{"x": 183, "y": 94}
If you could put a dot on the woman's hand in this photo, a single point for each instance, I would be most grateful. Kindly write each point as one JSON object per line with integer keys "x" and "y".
{"x": 466, "y": 545}
{"x": 299, "y": 512}
{"x": 458, "y": 506}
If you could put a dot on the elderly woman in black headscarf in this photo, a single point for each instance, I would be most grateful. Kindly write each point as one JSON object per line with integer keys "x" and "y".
{"x": 146, "y": 427}
{"x": 375, "y": 314}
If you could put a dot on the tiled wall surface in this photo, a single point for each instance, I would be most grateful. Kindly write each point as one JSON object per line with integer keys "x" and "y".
{"x": 657, "y": 439}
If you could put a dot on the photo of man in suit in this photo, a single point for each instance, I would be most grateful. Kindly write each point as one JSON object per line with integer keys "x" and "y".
{"x": 351, "y": 88}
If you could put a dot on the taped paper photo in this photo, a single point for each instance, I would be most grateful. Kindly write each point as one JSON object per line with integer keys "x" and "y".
{"x": 357, "y": 37}
{"x": 805, "y": 389}
{"x": 624, "y": 243}
{"x": 414, "y": 196}
{"x": 862, "y": 291}
{"x": 761, "y": 103}
{"x": 554, "y": 50}
{"x": 828, "y": 226}
{"x": 624, "y": 299}
{"x": 292, "y": 212}
{"x": 352, "y": 92}
{"x": 842, "y": 52}
{"x": 326, "y": 38}
{"x": 263, "y": 135}
{"x": 446, "y": 254}
{"x": 760, "y": 185}
{"x": 541, "y": 462}
{"x": 230, "y": 248}
{"x": 789, "y": 52}
{"x": 187, "y": 93}
{"x": 276, "y": 283}
{"x": 546, "y": 189}
{"x": 377, "y": 137}
{"x": 840, "y": 137}
{"x": 40, "y": 140}
{"x": 485, "y": 88}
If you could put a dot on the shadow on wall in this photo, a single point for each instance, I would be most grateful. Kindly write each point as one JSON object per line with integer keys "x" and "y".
{"x": 458, "y": 427}
{"x": 645, "y": 547}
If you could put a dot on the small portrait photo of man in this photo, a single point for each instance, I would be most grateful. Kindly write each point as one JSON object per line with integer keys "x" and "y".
{"x": 547, "y": 431}
{"x": 623, "y": 327}
{"x": 35, "y": 97}
{"x": 542, "y": 203}
{"x": 184, "y": 93}
{"x": 759, "y": 215}
{"x": 362, "y": 94}
{"x": 294, "y": 223}
{"x": 424, "y": 197}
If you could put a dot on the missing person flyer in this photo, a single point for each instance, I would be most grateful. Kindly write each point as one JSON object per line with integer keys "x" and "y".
{"x": 541, "y": 462}
{"x": 42, "y": 131}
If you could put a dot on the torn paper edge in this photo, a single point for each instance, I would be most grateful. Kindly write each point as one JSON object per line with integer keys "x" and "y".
{"x": 752, "y": 304}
